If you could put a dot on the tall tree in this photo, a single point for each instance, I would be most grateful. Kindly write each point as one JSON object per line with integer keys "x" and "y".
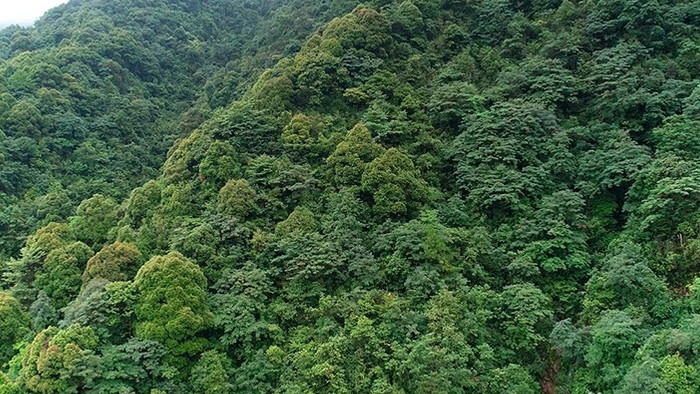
{"x": 171, "y": 305}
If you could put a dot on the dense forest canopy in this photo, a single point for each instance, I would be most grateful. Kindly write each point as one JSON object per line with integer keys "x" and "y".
{"x": 93, "y": 96}
{"x": 289, "y": 196}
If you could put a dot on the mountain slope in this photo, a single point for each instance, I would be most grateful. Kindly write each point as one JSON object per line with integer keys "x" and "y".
{"x": 486, "y": 196}
{"x": 95, "y": 94}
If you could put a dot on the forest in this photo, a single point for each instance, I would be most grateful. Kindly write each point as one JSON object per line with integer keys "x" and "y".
{"x": 380, "y": 197}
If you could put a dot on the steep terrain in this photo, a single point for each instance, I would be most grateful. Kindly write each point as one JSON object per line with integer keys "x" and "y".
{"x": 92, "y": 98}
{"x": 419, "y": 197}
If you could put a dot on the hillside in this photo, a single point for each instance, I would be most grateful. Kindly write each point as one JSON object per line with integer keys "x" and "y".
{"x": 96, "y": 93}
{"x": 389, "y": 197}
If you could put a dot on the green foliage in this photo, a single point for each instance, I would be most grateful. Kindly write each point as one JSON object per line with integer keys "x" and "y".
{"x": 60, "y": 360}
{"x": 171, "y": 305}
{"x": 219, "y": 164}
{"x": 617, "y": 163}
{"x": 209, "y": 375}
{"x": 237, "y": 199}
{"x": 643, "y": 377}
{"x": 508, "y": 156}
{"x": 626, "y": 281}
{"x": 540, "y": 80}
{"x": 395, "y": 184}
{"x": 453, "y": 102}
{"x": 134, "y": 366}
{"x": 141, "y": 203}
{"x": 23, "y": 272}
{"x": 511, "y": 379}
{"x": 526, "y": 318}
{"x": 557, "y": 241}
{"x": 95, "y": 94}
{"x": 116, "y": 262}
{"x": 302, "y": 137}
{"x": 445, "y": 345}
{"x": 352, "y": 155}
{"x": 14, "y": 326}
{"x": 679, "y": 377}
{"x": 92, "y": 308}
{"x": 332, "y": 197}
{"x": 613, "y": 342}
{"x": 238, "y": 304}
{"x": 59, "y": 277}
{"x": 43, "y": 312}
{"x": 95, "y": 217}
{"x": 300, "y": 221}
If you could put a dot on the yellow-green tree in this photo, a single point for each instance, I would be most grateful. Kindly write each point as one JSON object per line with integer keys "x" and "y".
{"x": 395, "y": 183}
{"x": 60, "y": 360}
{"x": 172, "y": 307}
{"x": 116, "y": 262}
{"x": 352, "y": 155}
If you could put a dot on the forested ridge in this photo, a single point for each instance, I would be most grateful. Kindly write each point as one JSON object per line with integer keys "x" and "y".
{"x": 288, "y": 196}
{"x": 93, "y": 97}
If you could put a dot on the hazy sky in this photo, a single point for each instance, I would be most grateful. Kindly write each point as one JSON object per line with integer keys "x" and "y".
{"x": 24, "y": 12}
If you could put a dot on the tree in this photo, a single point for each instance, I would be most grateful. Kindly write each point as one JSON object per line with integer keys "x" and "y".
{"x": 452, "y": 103}
{"x": 509, "y": 156}
{"x": 678, "y": 376}
{"x": 552, "y": 249}
{"x": 678, "y": 136}
{"x": 310, "y": 264}
{"x": 626, "y": 281}
{"x": 209, "y": 375}
{"x": 220, "y": 164}
{"x": 54, "y": 206}
{"x": 420, "y": 256}
{"x": 59, "y": 277}
{"x": 396, "y": 197}
{"x": 39, "y": 246}
{"x": 94, "y": 219}
{"x": 300, "y": 221}
{"x": 614, "y": 340}
{"x": 407, "y": 19}
{"x": 200, "y": 242}
{"x": 237, "y": 199}
{"x": 239, "y": 307}
{"x": 171, "y": 305}
{"x": 539, "y": 80}
{"x": 43, "y": 312}
{"x": 615, "y": 162}
{"x": 446, "y": 344}
{"x": 60, "y": 360}
{"x": 614, "y": 81}
{"x": 643, "y": 377}
{"x": 395, "y": 184}
{"x": 352, "y": 155}
{"x": 300, "y": 137}
{"x": 14, "y": 326}
{"x": 142, "y": 202}
{"x": 116, "y": 262}
{"x": 512, "y": 378}
{"x": 25, "y": 120}
{"x": 135, "y": 366}
{"x": 90, "y": 308}
{"x": 665, "y": 196}
{"x": 663, "y": 214}
{"x": 525, "y": 319}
